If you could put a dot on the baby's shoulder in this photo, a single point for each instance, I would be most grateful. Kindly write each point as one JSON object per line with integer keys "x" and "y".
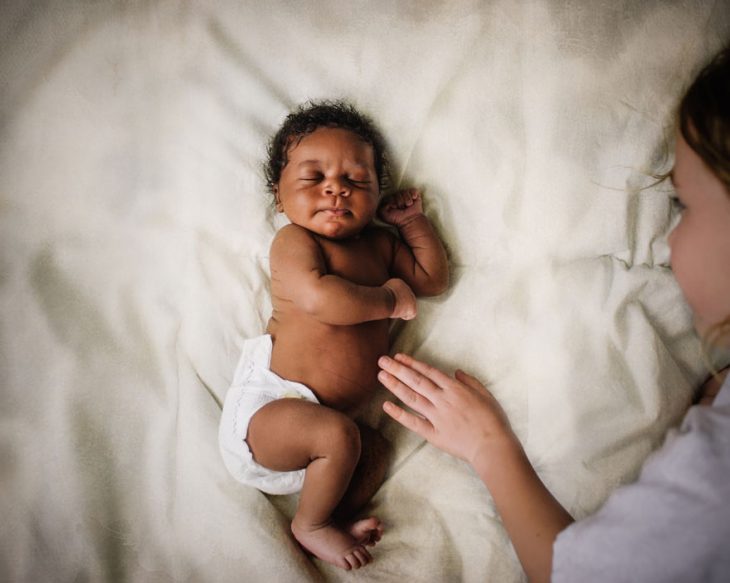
{"x": 292, "y": 230}
{"x": 294, "y": 243}
{"x": 291, "y": 233}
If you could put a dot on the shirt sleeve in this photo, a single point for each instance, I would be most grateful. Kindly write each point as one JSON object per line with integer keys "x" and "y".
{"x": 673, "y": 524}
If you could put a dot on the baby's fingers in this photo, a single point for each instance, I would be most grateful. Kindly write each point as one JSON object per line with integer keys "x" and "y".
{"x": 406, "y": 198}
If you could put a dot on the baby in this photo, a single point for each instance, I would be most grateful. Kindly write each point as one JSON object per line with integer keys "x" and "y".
{"x": 336, "y": 280}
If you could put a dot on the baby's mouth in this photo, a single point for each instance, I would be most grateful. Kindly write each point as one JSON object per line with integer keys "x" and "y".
{"x": 336, "y": 212}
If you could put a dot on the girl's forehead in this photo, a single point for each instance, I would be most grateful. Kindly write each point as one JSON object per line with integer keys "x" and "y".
{"x": 687, "y": 162}
{"x": 696, "y": 181}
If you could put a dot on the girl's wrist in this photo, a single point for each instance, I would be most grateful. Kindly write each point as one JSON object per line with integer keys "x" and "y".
{"x": 495, "y": 451}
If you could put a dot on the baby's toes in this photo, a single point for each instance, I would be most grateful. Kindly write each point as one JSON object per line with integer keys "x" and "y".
{"x": 373, "y": 539}
{"x": 366, "y": 531}
{"x": 377, "y": 533}
{"x": 359, "y": 557}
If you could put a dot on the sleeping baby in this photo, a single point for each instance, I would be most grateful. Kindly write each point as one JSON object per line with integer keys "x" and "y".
{"x": 336, "y": 280}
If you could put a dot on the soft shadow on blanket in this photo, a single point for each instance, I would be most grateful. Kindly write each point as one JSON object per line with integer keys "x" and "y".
{"x": 134, "y": 237}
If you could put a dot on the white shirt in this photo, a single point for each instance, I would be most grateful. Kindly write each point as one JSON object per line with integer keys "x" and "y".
{"x": 673, "y": 523}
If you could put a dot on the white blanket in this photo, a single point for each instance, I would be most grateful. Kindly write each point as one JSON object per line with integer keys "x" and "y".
{"x": 135, "y": 233}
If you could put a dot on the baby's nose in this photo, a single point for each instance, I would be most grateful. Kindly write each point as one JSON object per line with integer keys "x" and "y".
{"x": 336, "y": 187}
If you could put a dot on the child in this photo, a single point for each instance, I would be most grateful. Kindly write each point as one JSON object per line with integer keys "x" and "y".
{"x": 336, "y": 279}
{"x": 673, "y": 524}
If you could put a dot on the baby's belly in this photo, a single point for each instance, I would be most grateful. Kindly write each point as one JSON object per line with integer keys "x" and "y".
{"x": 339, "y": 363}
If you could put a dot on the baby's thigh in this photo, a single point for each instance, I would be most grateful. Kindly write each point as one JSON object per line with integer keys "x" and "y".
{"x": 376, "y": 450}
{"x": 287, "y": 434}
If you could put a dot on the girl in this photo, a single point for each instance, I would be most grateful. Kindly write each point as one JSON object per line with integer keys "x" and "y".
{"x": 673, "y": 524}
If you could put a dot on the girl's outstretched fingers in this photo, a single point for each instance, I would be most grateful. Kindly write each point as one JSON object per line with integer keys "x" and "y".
{"x": 456, "y": 414}
{"x": 438, "y": 379}
{"x": 408, "y": 384}
{"x": 418, "y": 425}
{"x": 470, "y": 381}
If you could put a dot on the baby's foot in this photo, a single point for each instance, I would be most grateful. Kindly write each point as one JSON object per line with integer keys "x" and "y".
{"x": 367, "y": 531}
{"x": 335, "y": 546}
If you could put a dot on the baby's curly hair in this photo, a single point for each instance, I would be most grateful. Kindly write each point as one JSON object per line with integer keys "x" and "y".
{"x": 313, "y": 115}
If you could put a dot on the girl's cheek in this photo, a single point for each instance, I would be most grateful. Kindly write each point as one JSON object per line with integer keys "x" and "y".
{"x": 673, "y": 239}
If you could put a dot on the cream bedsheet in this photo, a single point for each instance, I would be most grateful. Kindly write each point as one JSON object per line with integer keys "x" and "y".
{"x": 135, "y": 233}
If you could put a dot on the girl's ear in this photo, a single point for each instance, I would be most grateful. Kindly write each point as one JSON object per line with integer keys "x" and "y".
{"x": 277, "y": 199}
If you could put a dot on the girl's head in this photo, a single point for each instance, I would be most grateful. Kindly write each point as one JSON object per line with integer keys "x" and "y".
{"x": 323, "y": 114}
{"x": 700, "y": 243}
{"x": 704, "y": 116}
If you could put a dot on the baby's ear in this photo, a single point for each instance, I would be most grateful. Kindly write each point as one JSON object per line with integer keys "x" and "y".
{"x": 277, "y": 199}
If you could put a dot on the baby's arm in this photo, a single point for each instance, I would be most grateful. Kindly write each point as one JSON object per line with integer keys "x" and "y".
{"x": 421, "y": 258}
{"x": 299, "y": 275}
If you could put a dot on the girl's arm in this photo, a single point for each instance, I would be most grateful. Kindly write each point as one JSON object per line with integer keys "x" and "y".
{"x": 420, "y": 260}
{"x": 460, "y": 416}
{"x": 299, "y": 276}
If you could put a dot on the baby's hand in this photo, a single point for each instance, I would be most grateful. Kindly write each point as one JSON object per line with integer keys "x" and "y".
{"x": 405, "y": 300}
{"x": 397, "y": 209}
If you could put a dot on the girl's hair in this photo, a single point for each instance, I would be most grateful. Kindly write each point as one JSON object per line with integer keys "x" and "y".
{"x": 311, "y": 116}
{"x": 704, "y": 120}
{"x": 704, "y": 116}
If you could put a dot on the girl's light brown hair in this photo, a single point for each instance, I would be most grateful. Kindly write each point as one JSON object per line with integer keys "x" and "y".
{"x": 704, "y": 120}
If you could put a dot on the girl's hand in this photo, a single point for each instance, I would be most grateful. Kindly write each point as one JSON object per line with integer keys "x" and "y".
{"x": 458, "y": 415}
{"x": 461, "y": 417}
{"x": 405, "y": 307}
{"x": 397, "y": 209}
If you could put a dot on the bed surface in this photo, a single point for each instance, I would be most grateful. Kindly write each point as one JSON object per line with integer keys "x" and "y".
{"x": 134, "y": 262}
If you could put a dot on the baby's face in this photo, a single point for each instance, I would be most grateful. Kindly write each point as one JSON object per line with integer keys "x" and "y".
{"x": 700, "y": 243}
{"x": 329, "y": 186}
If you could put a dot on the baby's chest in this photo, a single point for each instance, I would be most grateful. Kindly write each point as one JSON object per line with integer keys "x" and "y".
{"x": 357, "y": 263}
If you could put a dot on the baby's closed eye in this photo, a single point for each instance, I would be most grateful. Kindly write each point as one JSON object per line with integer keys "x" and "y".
{"x": 357, "y": 182}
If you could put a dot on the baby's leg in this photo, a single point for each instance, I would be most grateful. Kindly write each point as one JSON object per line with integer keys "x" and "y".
{"x": 291, "y": 434}
{"x": 369, "y": 474}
